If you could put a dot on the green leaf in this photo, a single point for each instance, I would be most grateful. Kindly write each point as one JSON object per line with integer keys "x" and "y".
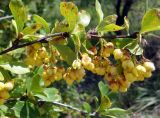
{"x": 60, "y": 27}
{"x": 117, "y": 111}
{"x": 108, "y": 116}
{"x": 18, "y": 107}
{"x": 151, "y": 21}
{"x": 70, "y": 12}
{"x": 43, "y": 22}
{"x": 15, "y": 69}
{"x": 31, "y": 29}
{"x": 105, "y": 103}
{"x": 122, "y": 42}
{"x": 19, "y": 13}
{"x": 49, "y": 95}
{"x": 111, "y": 19}
{"x": 103, "y": 88}
{"x": 1, "y": 77}
{"x": 3, "y": 108}
{"x": 87, "y": 107}
{"x": 5, "y": 73}
{"x": 77, "y": 42}
{"x": 15, "y": 26}
{"x": 36, "y": 84}
{"x": 109, "y": 24}
{"x": 24, "y": 109}
{"x": 111, "y": 28}
{"x": 84, "y": 18}
{"x": 99, "y": 11}
{"x": 126, "y": 23}
{"x": 67, "y": 54}
{"x": 135, "y": 48}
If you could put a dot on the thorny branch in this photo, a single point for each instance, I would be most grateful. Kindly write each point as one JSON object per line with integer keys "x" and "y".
{"x": 41, "y": 40}
{"x": 64, "y": 35}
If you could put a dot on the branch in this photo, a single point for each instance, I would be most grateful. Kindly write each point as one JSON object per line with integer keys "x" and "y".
{"x": 41, "y": 40}
{"x": 5, "y": 17}
{"x": 118, "y": 5}
{"x": 23, "y": 98}
{"x": 127, "y": 7}
{"x": 72, "y": 108}
{"x": 91, "y": 35}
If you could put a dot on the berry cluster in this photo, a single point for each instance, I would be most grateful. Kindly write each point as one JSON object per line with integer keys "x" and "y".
{"x": 72, "y": 75}
{"x": 116, "y": 65}
{"x": 51, "y": 74}
{"x": 4, "y": 91}
{"x": 36, "y": 55}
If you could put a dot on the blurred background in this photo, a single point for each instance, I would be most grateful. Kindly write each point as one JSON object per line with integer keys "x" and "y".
{"x": 142, "y": 97}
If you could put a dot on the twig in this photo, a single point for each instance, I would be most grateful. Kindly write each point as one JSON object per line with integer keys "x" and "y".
{"x": 90, "y": 35}
{"x": 72, "y": 108}
{"x": 63, "y": 34}
{"x": 5, "y": 17}
{"x": 58, "y": 104}
{"x": 41, "y": 40}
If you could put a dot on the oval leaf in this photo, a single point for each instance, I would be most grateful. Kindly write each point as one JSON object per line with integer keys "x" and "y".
{"x": 103, "y": 88}
{"x": 110, "y": 28}
{"x": 31, "y": 29}
{"x": 67, "y": 54}
{"x": 70, "y": 12}
{"x": 99, "y": 11}
{"x": 19, "y": 13}
{"x": 43, "y": 22}
{"x": 111, "y": 19}
{"x": 151, "y": 21}
{"x": 15, "y": 69}
{"x": 105, "y": 103}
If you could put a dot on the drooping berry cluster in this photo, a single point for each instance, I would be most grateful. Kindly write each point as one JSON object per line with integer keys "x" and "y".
{"x": 36, "y": 55}
{"x": 4, "y": 91}
{"x": 51, "y": 74}
{"x": 119, "y": 71}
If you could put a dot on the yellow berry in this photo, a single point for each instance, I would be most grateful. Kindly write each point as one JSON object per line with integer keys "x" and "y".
{"x": 130, "y": 77}
{"x": 128, "y": 65}
{"x": 108, "y": 77}
{"x": 118, "y": 54}
{"x": 112, "y": 70}
{"x": 135, "y": 72}
{"x": 149, "y": 66}
{"x": 76, "y": 64}
{"x": 36, "y": 46}
{"x": 90, "y": 66}
{"x": 109, "y": 47}
{"x": 148, "y": 74}
{"x": 29, "y": 61}
{"x": 2, "y": 101}
{"x": 105, "y": 54}
{"x": 42, "y": 53}
{"x": 4, "y": 94}
{"x": 86, "y": 59}
{"x": 141, "y": 69}
{"x": 9, "y": 85}
{"x": 1, "y": 86}
{"x": 114, "y": 87}
{"x": 140, "y": 78}
{"x": 68, "y": 79}
{"x": 122, "y": 89}
{"x": 100, "y": 70}
{"x": 47, "y": 82}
